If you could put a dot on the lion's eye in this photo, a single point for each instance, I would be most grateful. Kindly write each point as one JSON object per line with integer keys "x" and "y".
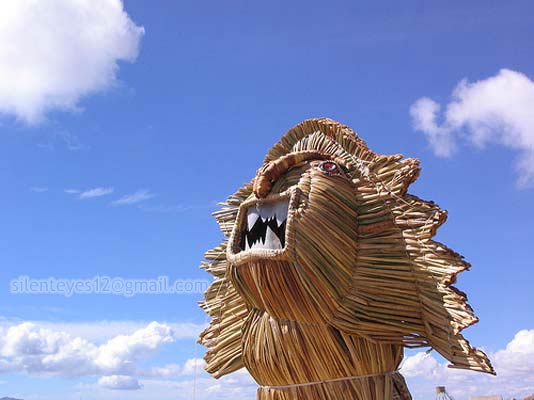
{"x": 329, "y": 167}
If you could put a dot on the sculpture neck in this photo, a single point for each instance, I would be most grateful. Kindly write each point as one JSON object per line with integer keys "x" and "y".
{"x": 292, "y": 360}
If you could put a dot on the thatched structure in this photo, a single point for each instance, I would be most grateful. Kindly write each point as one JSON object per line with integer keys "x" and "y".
{"x": 328, "y": 270}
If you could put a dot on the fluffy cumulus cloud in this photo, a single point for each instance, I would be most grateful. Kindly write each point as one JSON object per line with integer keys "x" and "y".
{"x": 122, "y": 353}
{"x": 518, "y": 357}
{"x": 101, "y": 331}
{"x": 116, "y": 362}
{"x": 421, "y": 364}
{"x": 28, "y": 347}
{"x": 498, "y": 110}
{"x": 514, "y": 366}
{"x": 72, "y": 49}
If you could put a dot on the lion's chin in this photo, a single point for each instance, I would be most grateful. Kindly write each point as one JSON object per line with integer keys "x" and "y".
{"x": 279, "y": 288}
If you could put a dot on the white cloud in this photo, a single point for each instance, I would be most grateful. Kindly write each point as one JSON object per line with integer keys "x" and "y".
{"x": 514, "y": 366}
{"x": 523, "y": 342}
{"x": 123, "y": 352}
{"x": 72, "y": 50}
{"x": 169, "y": 370}
{"x": 424, "y": 113}
{"x": 117, "y": 364}
{"x": 134, "y": 198}
{"x": 119, "y": 382}
{"x": 420, "y": 364}
{"x": 518, "y": 357}
{"x": 104, "y": 330}
{"x": 238, "y": 385}
{"x": 52, "y": 350}
{"x": 72, "y": 191}
{"x": 37, "y": 350}
{"x": 96, "y": 192}
{"x": 26, "y": 339}
{"x": 100, "y": 331}
{"x": 498, "y": 110}
{"x": 193, "y": 366}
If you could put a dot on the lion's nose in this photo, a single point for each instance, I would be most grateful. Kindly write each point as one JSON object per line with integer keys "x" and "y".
{"x": 270, "y": 172}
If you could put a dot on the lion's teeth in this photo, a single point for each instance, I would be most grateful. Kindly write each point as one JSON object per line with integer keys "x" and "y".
{"x": 271, "y": 240}
{"x": 281, "y": 212}
{"x": 252, "y": 217}
{"x": 265, "y": 210}
{"x": 265, "y": 226}
{"x": 269, "y": 210}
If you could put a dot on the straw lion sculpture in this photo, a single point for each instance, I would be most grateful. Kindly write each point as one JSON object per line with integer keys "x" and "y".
{"x": 328, "y": 271}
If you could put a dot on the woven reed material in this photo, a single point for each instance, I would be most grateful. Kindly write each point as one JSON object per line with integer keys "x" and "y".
{"x": 358, "y": 277}
{"x": 388, "y": 386}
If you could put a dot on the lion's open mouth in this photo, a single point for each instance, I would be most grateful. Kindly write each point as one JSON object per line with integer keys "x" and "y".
{"x": 265, "y": 226}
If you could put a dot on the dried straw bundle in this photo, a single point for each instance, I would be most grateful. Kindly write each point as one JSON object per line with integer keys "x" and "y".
{"x": 356, "y": 279}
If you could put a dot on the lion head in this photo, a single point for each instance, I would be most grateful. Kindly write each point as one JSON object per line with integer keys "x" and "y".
{"x": 326, "y": 233}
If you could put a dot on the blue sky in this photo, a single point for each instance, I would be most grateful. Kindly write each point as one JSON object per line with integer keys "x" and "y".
{"x": 176, "y": 103}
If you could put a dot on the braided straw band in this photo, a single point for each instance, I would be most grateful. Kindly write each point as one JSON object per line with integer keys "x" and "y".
{"x": 345, "y": 378}
{"x": 270, "y": 172}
